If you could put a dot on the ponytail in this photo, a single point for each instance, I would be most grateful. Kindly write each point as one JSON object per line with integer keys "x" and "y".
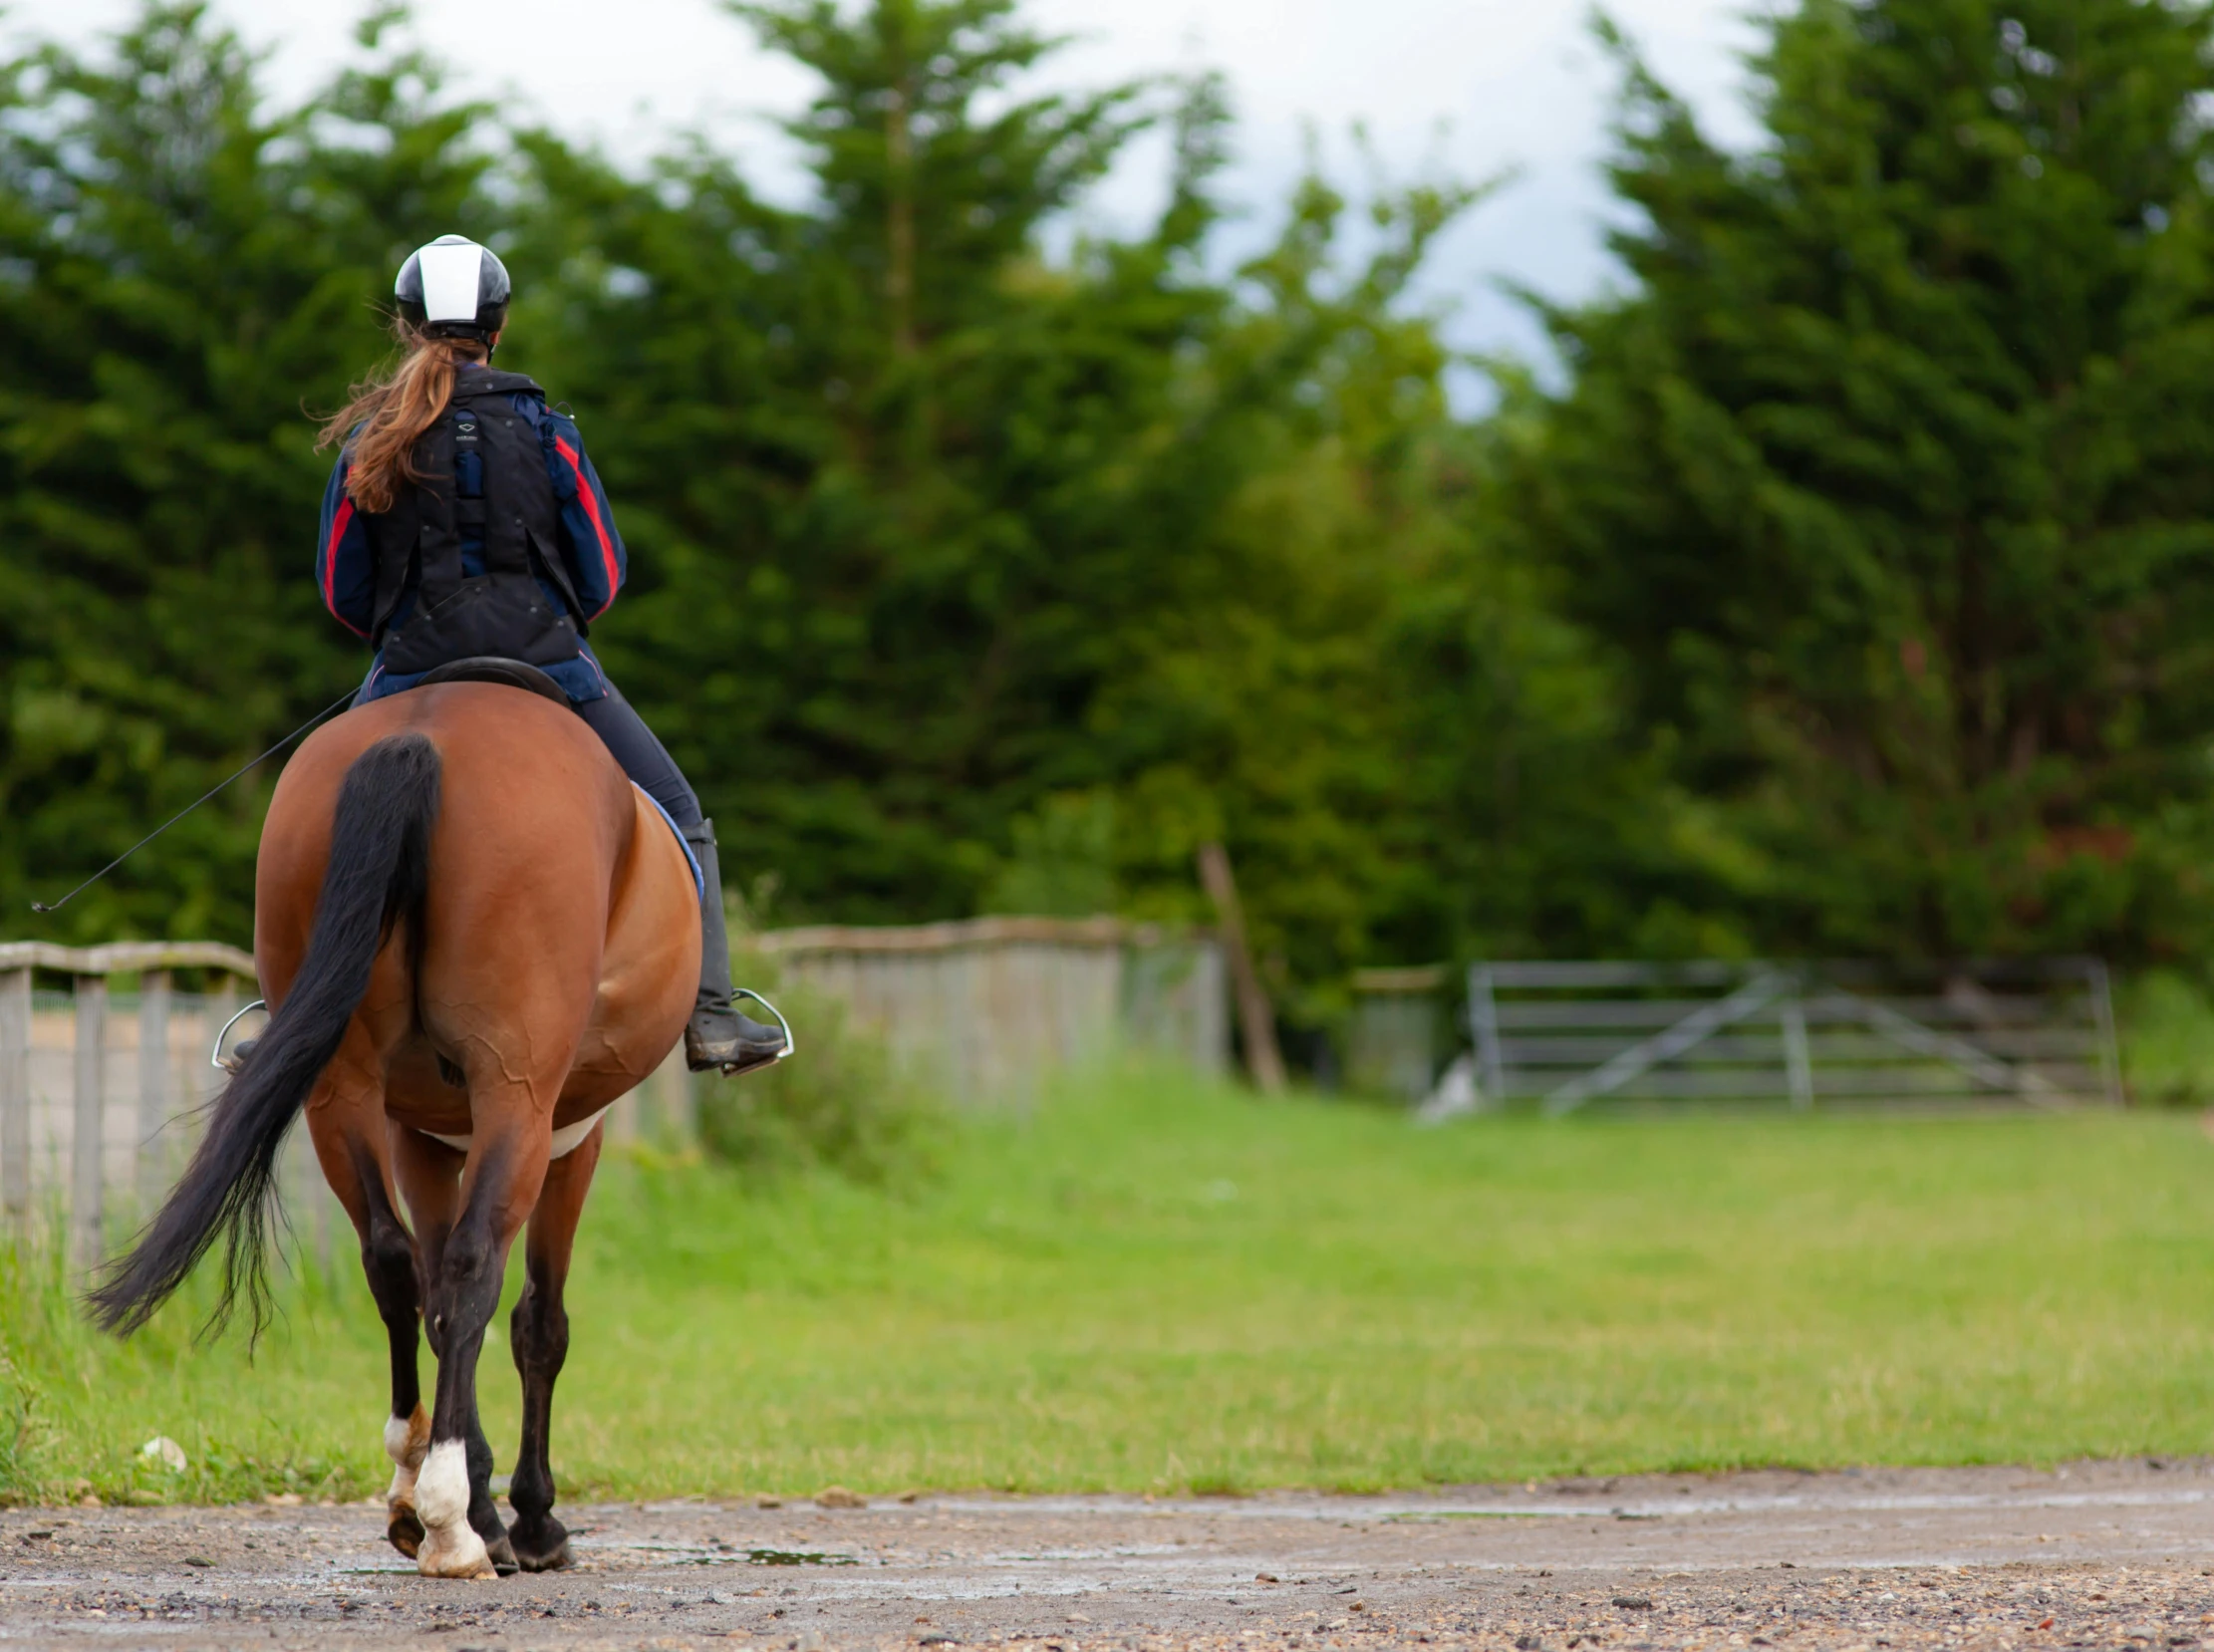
{"x": 387, "y": 414}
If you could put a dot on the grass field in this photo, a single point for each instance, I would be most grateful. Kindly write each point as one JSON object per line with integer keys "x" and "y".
{"x": 1151, "y": 1286}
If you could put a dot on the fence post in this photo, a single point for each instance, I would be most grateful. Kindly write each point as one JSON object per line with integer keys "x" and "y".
{"x": 15, "y": 1098}
{"x": 153, "y": 1085}
{"x": 2110, "y": 1048}
{"x": 222, "y": 1003}
{"x": 674, "y": 1102}
{"x": 1491, "y": 1056}
{"x": 1798, "y": 1062}
{"x": 86, "y": 1143}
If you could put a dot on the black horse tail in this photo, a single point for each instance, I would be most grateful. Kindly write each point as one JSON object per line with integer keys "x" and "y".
{"x": 379, "y": 867}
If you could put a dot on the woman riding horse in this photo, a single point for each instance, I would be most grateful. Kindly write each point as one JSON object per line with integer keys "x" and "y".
{"x": 474, "y": 919}
{"x": 463, "y": 519}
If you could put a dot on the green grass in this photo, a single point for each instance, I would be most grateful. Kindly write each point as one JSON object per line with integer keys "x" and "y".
{"x": 1157, "y": 1287}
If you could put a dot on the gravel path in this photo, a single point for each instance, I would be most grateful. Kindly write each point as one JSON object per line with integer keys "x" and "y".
{"x": 2114, "y": 1554}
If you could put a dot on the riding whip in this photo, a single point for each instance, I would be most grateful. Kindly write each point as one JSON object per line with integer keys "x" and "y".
{"x": 57, "y": 906}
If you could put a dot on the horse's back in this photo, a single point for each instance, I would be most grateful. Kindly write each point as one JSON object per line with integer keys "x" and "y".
{"x": 527, "y": 793}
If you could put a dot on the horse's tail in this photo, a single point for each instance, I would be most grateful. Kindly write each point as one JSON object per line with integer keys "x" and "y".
{"x": 380, "y": 853}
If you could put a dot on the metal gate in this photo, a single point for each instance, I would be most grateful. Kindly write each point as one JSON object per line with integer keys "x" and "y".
{"x": 2037, "y": 1032}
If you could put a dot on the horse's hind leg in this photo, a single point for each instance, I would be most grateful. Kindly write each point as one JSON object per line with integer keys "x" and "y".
{"x": 389, "y": 1259}
{"x": 429, "y": 1172}
{"x": 346, "y": 1121}
{"x": 539, "y": 1331}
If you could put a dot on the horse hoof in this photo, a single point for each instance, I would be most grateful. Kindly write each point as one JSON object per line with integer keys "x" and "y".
{"x": 502, "y": 1556}
{"x": 454, "y": 1552}
{"x": 557, "y": 1559}
{"x": 405, "y": 1530}
{"x": 541, "y": 1544}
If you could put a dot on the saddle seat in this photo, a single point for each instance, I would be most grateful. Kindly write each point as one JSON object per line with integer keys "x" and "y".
{"x": 491, "y": 668}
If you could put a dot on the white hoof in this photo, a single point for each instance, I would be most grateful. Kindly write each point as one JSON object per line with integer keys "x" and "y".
{"x": 451, "y": 1546}
{"x": 454, "y": 1551}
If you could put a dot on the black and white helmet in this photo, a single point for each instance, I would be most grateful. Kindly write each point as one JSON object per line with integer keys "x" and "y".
{"x": 453, "y": 288}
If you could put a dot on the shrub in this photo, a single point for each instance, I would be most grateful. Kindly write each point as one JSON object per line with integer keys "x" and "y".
{"x": 839, "y": 1103}
{"x": 2167, "y": 1041}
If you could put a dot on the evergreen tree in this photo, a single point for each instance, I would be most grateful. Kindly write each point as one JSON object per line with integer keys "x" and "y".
{"x": 964, "y": 576}
{"x": 180, "y": 270}
{"x": 1892, "y": 480}
{"x": 1002, "y": 576}
{"x": 839, "y": 441}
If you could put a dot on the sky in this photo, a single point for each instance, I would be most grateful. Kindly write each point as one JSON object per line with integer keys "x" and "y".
{"x": 1464, "y": 87}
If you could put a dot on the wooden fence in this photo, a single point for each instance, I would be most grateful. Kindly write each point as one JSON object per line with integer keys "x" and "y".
{"x": 97, "y": 1089}
{"x": 984, "y": 1011}
{"x": 102, "y": 1080}
{"x": 100, "y": 1088}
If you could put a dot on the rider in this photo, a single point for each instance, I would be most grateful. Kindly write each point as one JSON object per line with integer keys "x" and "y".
{"x": 463, "y": 519}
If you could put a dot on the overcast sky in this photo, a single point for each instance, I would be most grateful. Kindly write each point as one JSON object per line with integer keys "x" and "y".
{"x": 1467, "y": 87}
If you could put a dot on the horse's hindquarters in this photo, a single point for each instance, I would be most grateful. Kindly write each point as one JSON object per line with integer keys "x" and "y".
{"x": 649, "y": 972}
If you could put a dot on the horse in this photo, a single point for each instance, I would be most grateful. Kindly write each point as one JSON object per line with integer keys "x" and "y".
{"x": 474, "y": 935}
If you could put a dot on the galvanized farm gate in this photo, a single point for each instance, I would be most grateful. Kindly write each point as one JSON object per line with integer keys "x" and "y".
{"x": 1565, "y": 1036}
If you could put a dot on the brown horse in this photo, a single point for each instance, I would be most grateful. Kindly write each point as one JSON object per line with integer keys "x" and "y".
{"x": 474, "y": 935}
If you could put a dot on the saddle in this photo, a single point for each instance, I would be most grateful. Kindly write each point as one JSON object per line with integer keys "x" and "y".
{"x": 514, "y": 673}
{"x": 490, "y": 668}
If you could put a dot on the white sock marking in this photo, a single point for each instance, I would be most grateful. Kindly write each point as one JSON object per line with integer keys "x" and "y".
{"x": 406, "y": 1441}
{"x": 442, "y": 1486}
{"x": 403, "y": 1444}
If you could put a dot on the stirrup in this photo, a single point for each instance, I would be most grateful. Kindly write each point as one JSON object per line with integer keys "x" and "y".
{"x": 742, "y": 1054}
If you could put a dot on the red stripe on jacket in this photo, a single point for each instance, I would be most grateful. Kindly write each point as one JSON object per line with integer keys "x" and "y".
{"x": 339, "y": 518}
{"x": 591, "y": 501}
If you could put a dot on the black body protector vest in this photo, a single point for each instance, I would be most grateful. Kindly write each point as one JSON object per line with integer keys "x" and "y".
{"x": 506, "y": 500}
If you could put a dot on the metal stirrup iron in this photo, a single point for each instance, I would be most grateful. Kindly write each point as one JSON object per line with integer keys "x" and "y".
{"x": 784, "y": 1026}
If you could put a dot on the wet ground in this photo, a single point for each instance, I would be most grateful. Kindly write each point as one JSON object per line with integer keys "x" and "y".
{"x": 2118, "y": 1555}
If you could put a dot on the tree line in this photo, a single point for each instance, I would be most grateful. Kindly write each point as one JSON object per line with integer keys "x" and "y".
{"x": 1846, "y": 591}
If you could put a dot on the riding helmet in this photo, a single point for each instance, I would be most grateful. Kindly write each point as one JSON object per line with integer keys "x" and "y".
{"x": 453, "y": 288}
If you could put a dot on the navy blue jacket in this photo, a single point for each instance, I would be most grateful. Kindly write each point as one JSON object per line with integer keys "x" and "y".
{"x": 345, "y": 570}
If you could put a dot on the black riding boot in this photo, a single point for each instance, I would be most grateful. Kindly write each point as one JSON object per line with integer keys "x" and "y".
{"x": 718, "y": 1038}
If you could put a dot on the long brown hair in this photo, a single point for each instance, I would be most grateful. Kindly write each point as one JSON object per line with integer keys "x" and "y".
{"x": 392, "y": 408}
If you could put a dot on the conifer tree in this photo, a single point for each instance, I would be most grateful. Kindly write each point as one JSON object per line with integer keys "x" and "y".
{"x": 973, "y": 564}
{"x": 181, "y": 271}
{"x": 951, "y": 552}
{"x": 1893, "y": 477}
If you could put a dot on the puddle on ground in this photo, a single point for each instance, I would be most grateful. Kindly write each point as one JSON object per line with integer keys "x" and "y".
{"x": 695, "y": 1554}
{"x": 795, "y": 1558}
{"x": 670, "y": 1554}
